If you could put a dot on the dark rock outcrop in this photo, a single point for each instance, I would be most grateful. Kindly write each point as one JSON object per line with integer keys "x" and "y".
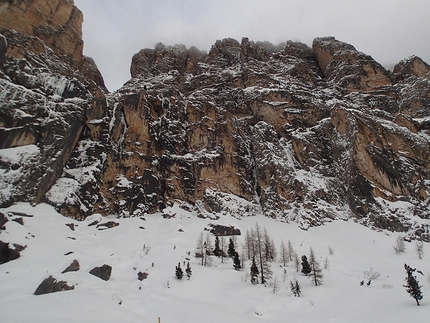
{"x": 102, "y": 272}
{"x": 74, "y": 266}
{"x": 7, "y": 253}
{"x": 52, "y": 285}
{"x": 3, "y": 220}
{"x": 223, "y": 230}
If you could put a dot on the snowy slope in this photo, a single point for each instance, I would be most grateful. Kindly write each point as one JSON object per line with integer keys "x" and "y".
{"x": 213, "y": 294}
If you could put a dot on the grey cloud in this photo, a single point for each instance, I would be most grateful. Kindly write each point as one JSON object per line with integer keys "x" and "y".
{"x": 388, "y": 30}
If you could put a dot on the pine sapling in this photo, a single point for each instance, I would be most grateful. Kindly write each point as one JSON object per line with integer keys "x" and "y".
{"x": 178, "y": 271}
{"x": 306, "y": 269}
{"x": 236, "y": 261}
{"x": 412, "y": 286}
{"x": 254, "y": 272}
{"x": 188, "y": 270}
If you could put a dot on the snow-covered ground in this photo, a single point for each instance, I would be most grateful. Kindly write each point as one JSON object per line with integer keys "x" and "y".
{"x": 213, "y": 294}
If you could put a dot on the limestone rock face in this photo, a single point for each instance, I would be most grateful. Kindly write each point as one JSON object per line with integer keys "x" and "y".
{"x": 296, "y": 133}
{"x": 58, "y": 23}
{"x": 351, "y": 70}
{"x": 51, "y": 95}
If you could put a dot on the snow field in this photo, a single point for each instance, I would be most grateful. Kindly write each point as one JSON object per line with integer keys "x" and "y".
{"x": 213, "y": 294}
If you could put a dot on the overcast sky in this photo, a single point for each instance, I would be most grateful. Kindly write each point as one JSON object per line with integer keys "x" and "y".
{"x": 114, "y": 30}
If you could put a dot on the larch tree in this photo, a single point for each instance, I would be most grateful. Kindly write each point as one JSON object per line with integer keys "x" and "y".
{"x": 296, "y": 260}
{"x": 290, "y": 251}
{"x": 316, "y": 272}
{"x": 283, "y": 254}
{"x": 264, "y": 267}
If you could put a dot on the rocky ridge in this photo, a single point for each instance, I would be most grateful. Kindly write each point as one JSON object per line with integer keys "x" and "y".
{"x": 298, "y": 133}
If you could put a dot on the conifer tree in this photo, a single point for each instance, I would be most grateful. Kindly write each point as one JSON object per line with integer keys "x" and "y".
{"x": 295, "y": 288}
{"x": 179, "y": 273}
{"x": 254, "y": 272}
{"x": 236, "y": 261}
{"x": 231, "y": 249}
{"x": 306, "y": 269}
{"x": 412, "y": 286}
{"x": 188, "y": 270}
{"x": 217, "y": 250}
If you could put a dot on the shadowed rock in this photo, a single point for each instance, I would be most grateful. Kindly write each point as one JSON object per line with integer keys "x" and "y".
{"x": 102, "y": 272}
{"x": 51, "y": 285}
{"x": 74, "y": 266}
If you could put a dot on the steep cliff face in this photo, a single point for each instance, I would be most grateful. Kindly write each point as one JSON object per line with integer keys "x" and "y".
{"x": 296, "y": 133}
{"x": 50, "y": 93}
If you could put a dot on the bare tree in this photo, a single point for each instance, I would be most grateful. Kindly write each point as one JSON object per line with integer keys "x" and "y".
{"x": 275, "y": 285}
{"x": 269, "y": 247}
{"x": 200, "y": 247}
{"x": 290, "y": 251}
{"x": 296, "y": 261}
{"x": 283, "y": 254}
{"x": 326, "y": 263}
{"x": 249, "y": 244}
{"x": 369, "y": 276}
{"x": 222, "y": 247}
{"x": 264, "y": 267}
{"x": 420, "y": 249}
{"x": 316, "y": 271}
{"x": 399, "y": 246}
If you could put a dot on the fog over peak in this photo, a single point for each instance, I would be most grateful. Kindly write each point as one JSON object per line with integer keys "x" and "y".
{"x": 113, "y": 31}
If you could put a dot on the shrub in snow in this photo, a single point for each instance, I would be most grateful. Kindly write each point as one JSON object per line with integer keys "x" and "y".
{"x": 399, "y": 246}
{"x": 420, "y": 249}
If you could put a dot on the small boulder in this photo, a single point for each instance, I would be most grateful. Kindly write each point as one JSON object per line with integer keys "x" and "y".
{"x": 74, "y": 266}
{"x": 107, "y": 225}
{"x": 102, "y": 272}
{"x": 51, "y": 285}
{"x": 19, "y": 220}
{"x": 141, "y": 276}
{"x": 71, "y": 226}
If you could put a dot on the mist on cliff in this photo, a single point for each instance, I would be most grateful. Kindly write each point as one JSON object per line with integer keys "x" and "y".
{"x": 388, "y": 30}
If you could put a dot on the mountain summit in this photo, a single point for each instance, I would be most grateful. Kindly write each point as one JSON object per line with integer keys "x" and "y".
{"x": 298, "y": 133}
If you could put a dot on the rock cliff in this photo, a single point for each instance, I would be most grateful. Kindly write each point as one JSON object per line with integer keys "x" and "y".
{"x": 49, "y": 91}
{"x": 298, "y": 133}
